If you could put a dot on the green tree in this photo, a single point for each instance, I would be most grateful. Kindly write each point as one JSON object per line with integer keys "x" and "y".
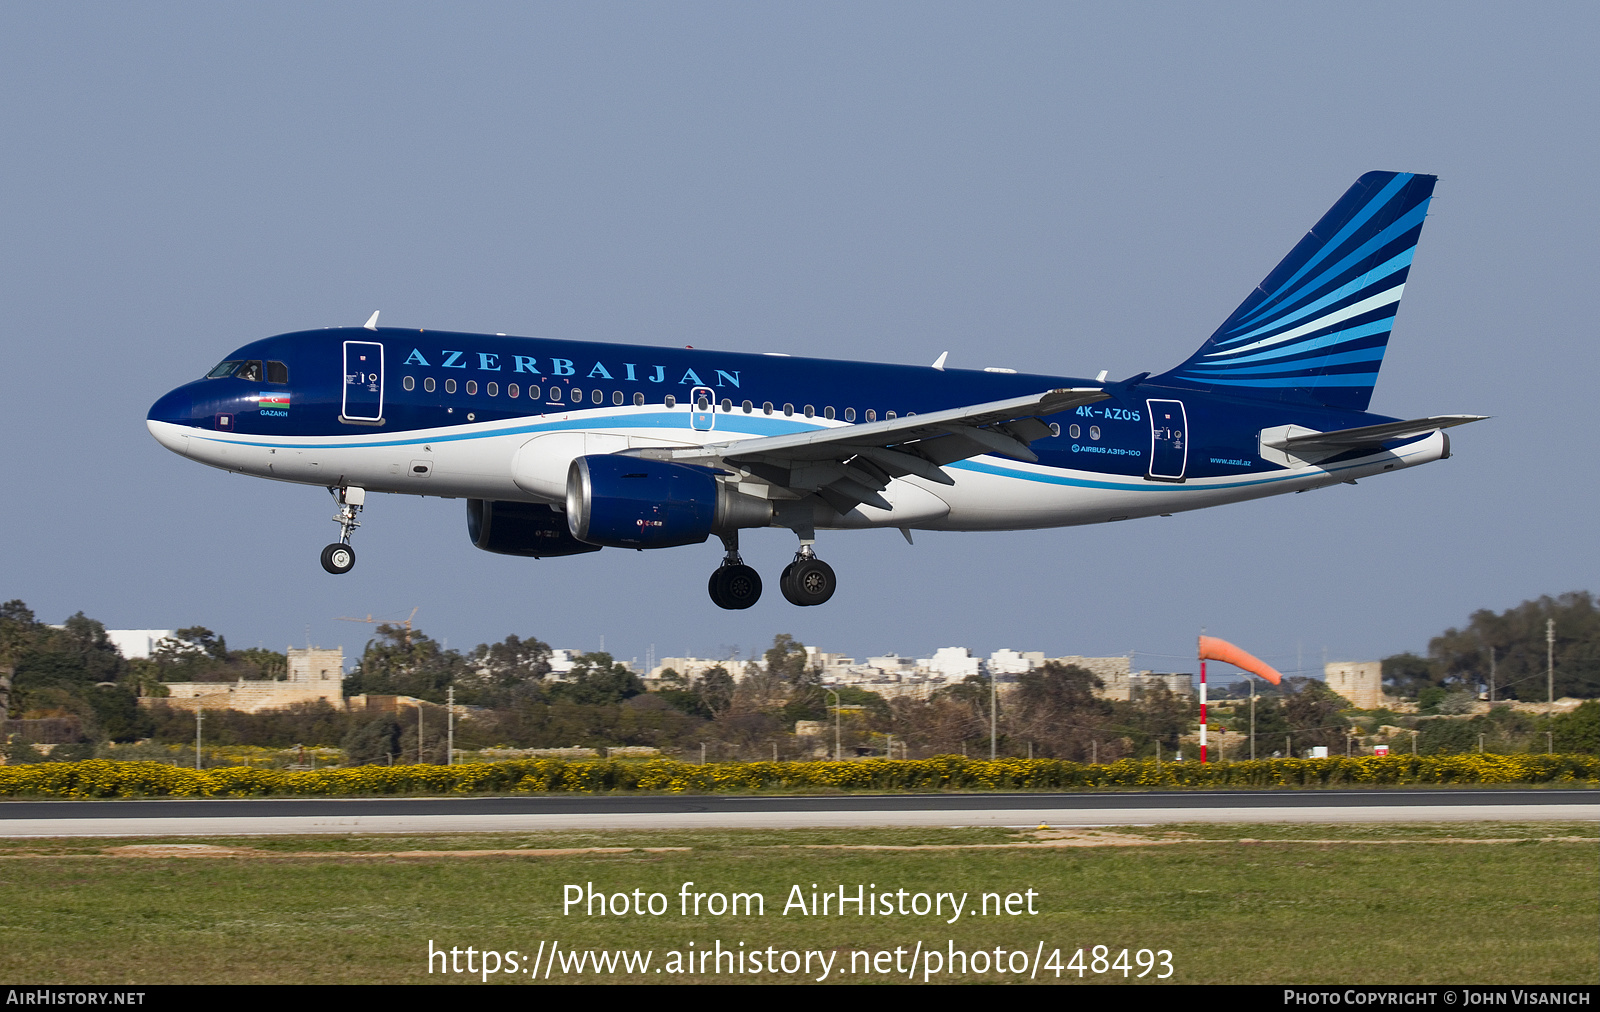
{"x": 405, "y": 662}
{"x": 597, "y": 680}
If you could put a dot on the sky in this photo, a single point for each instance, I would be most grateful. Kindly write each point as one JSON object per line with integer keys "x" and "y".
{"x": 1049, "y": 187}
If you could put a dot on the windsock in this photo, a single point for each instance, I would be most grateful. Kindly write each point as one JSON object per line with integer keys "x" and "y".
{"x": 1214, "y": 649}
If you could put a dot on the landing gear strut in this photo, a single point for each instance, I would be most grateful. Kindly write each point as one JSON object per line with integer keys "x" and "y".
{"x": 807, "y": 581}
{"x": 339, "y": 558}
{"x": 734, "y": 585}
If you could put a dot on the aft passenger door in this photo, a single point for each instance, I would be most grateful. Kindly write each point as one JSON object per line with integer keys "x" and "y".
{"x": 1169, "y": 441}
{"x": 363, "y": 383}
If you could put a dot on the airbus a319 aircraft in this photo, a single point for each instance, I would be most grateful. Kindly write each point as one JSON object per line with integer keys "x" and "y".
{"x": 565, "y": 447}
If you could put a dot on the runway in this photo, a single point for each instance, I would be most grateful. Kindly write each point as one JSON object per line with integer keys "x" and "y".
{"x": 248, "y": 817}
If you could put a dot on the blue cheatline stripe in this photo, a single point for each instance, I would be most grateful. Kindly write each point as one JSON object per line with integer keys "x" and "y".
{"x": 1303, "y": 367}
{"x": 1410, "y": 220}
{"x": 485, "y": 430}
{"x": 1370, "y": 279}
{"x": 1365, "y": 379}
{"x": 1148, "y": 486}
{"x": 1372, "y": 207}
{"x": 1304, "y": 345}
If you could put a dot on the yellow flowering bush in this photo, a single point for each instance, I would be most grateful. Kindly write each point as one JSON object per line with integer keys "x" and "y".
{"x": 100, "y": 778}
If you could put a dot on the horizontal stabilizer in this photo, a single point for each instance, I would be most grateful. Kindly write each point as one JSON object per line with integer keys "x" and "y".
{"x": 1297, "y": 446}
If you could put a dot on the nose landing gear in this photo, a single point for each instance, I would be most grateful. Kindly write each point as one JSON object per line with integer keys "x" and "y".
{"x": 734, "y": 585}
{"x": 339, "y": 557}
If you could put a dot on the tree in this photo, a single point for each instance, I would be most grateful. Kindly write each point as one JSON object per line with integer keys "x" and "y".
{"x": 786, "y": 659}
{"x": 376, "y": 741}
{"x": 715, "y": 689}
{"x": 1055, "y": 708}
{"x": 496, "y": 674}
{"x": 597, "y": 680}
{"x": 1460, "y": 658}
{"x": 405, "y": 662}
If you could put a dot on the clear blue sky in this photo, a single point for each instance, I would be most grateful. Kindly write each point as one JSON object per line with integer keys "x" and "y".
{"x": 1051, "y": 187}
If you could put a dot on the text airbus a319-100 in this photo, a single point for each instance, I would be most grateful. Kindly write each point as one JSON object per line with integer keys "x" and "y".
{"x": 565, "y": 447}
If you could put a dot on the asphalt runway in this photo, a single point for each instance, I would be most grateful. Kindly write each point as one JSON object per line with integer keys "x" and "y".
{"x": 246, "y": 817}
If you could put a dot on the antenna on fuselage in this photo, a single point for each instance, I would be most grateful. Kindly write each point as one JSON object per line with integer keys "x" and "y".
{"x": 372, "y": 321}
{"x": 938, "y": 363}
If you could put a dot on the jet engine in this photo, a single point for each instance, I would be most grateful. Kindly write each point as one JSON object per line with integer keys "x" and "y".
{"x": 521, "y": 528}
{"x": 635, "y": 502}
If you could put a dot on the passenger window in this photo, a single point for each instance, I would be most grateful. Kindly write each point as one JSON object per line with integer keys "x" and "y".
{"x": 788, "y": 411}
{"x": 533, "y": 393}
{"x": 638, "y": 400}
{"x": 811, "y": 412}
{"x": 409, "y": 383}
{"x": 577, "y": 395}
{"x": 1074, "y": 431}
{"x": 849, "y": 414}
{"x": 277, "y": 372}
{"x": 427, "y": 384}
{"x": 747, "y": 406}
{"x": 672, "y": 401}
{"x": 827, "y": 412}
{"x": 492, "y": 389}
{"x": 597, "y": 397}
{"x": 701, "y": 404}
{"x": 450, "y": 386}
{"x": 727, "y": 405}
{"x": 616, "y": 398}
{"x": 1094, "y": 432}
{"x": 512, "y": 391}
{"x": 472, "y": 386}
{"x": 1055, "y": 430}
{"x": 766, "y": 407}
{"x": 888, "y": 415}
{"x": 872, "y": 415}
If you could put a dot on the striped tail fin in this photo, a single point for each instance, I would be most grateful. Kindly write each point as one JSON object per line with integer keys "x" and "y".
{"x": 1315, "y": 330}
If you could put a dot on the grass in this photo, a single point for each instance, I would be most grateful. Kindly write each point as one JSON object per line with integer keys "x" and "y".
{"x": 1413, "y": 903}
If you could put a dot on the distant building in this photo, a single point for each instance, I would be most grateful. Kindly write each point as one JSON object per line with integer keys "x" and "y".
{"x": 692, "y": 668}
{"x": 137, "y": 644}
{"x": 1361, "y": 682}
{"x": 313, "y": 674}
{"x": 952, "y": 664}
{"x": 1011, "y": 662}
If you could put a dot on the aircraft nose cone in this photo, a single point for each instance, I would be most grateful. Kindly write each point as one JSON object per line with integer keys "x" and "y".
{"x": 174, "y": 408}
{"x": 171, "y": 418}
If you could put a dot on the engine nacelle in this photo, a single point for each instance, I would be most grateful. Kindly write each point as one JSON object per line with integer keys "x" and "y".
{"x": 521, "y": 528}
{"x": 635, "y": 502}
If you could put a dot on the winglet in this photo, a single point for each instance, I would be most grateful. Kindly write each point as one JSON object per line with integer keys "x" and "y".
{"x": 372, "y": 321}
{"x": 938, "y": 363}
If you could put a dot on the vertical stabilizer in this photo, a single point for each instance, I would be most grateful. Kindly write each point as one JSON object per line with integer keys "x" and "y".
{"x": 1315, "y": 330}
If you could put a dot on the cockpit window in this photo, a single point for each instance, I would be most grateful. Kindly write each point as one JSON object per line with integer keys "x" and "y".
{"x": 250, "y": 371}
{"x": 223, "y": 369}
{"x": 277, "y": 372}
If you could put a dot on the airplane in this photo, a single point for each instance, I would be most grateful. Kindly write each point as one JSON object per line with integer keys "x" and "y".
{"x": 564, "y": 447}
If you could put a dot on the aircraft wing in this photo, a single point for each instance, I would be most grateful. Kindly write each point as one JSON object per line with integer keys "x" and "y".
{"x": 1293, "y": 444}
{"x": 851, "y": 464}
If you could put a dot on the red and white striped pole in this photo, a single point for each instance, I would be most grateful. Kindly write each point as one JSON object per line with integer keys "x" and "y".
{"x": 1202, "y": 710}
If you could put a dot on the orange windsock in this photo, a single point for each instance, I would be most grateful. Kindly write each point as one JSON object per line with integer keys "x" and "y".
{"x": 1213, "y": 649}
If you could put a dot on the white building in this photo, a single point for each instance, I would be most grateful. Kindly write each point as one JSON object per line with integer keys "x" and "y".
{"x": 137, "y": 644}
{"x": 952, "y": 664}
{"x": 1011, "y": 662}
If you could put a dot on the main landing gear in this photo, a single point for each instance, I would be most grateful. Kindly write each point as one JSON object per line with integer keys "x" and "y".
{"x": 734, "y": 585}
{"x": 339, "y": 557}
{"x": 806, "y": 581}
